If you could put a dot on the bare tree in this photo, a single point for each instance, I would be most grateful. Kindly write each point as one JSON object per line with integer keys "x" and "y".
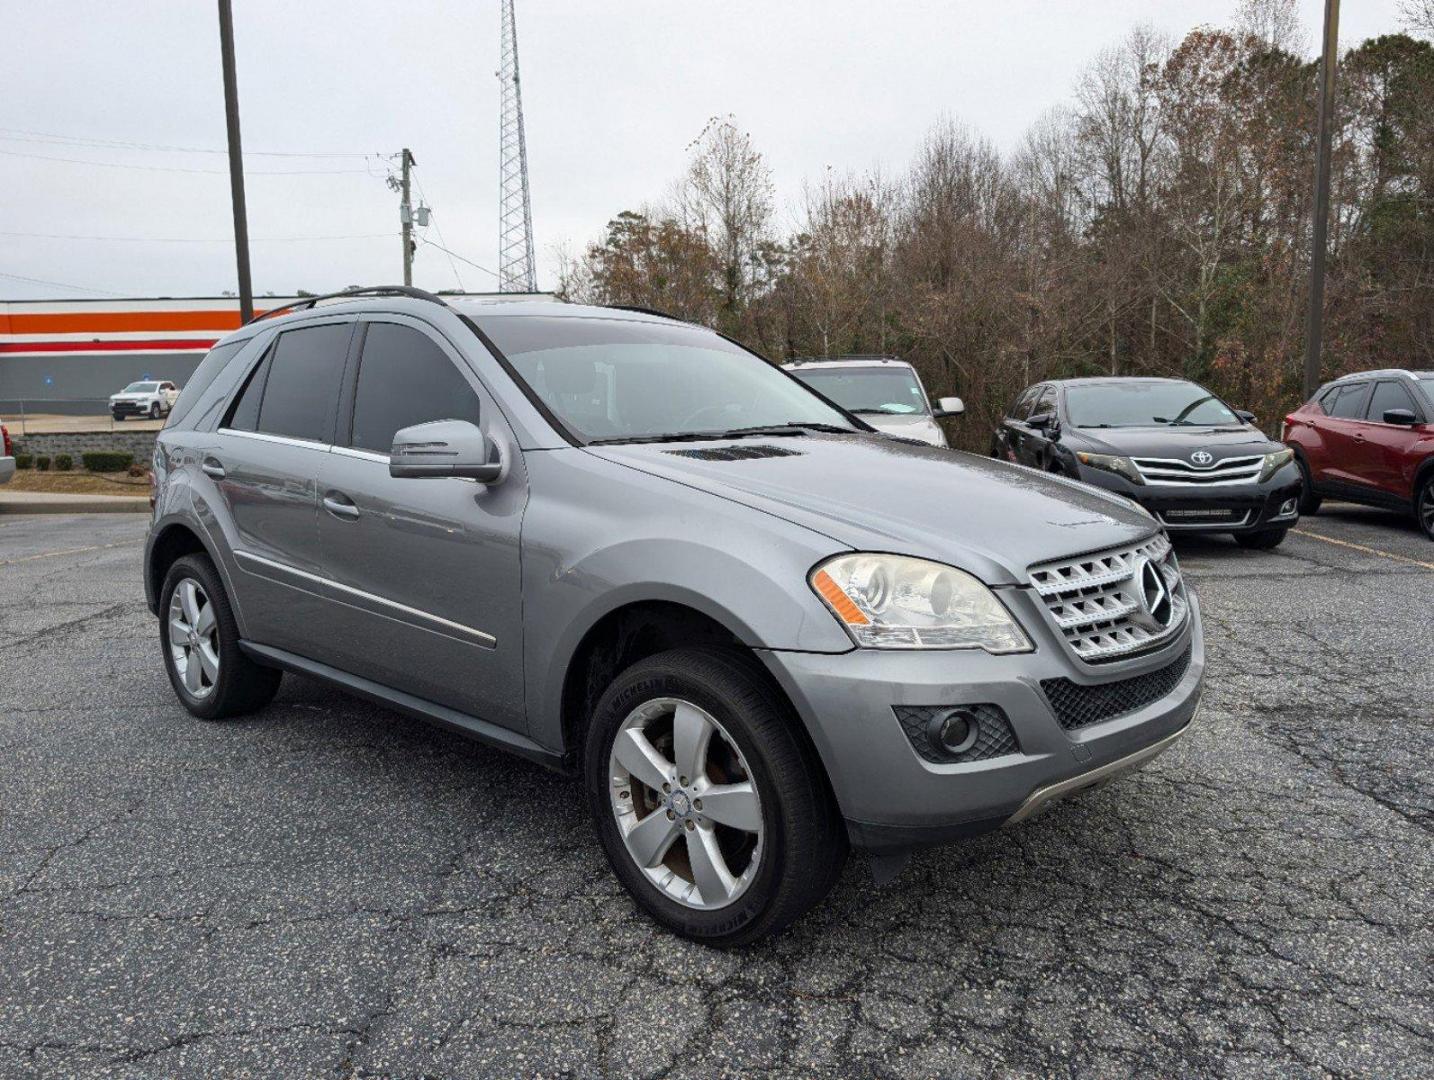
{"x": 1418, "y": 17}
{"x": 1276, "y": 23}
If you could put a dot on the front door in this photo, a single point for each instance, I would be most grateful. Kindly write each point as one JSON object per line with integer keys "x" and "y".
{"x": 1386, "y": 446}
{"x": 426, "y": 577}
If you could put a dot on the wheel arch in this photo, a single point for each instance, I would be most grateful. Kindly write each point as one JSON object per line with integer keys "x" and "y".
{"x": 167, "y": 544}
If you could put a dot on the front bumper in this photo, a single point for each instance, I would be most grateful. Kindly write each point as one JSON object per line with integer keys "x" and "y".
{"x": 892, "y": 798}
{"x": 1236, "y": 508}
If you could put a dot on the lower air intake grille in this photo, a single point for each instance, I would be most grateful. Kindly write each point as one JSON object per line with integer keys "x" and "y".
{"x": 1078, "y": 706}
{"x": 994, "y": 737}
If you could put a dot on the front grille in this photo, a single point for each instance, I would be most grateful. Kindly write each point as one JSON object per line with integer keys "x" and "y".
{"x": 1177, "y": 472}
{"x": 1095, "y": 602}
{"x": 994, "y": 737}
{"x": 735, "y": 453}
{"x": 1078, "y": 706}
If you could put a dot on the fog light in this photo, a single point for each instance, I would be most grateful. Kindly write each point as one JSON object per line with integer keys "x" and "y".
{"x": 954, "y": 731}
{"x": 1287, "y": 508}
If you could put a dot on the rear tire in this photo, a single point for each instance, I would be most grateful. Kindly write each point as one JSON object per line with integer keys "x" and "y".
{"x": 223, "y": 682}
{"x": 1424, "y": 506}
{"x": 789, "y": 851}
{"x": 1261, "y": 539}
{"x": 1309, "y": 501}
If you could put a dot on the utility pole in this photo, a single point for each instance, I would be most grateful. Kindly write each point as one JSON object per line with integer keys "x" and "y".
{"x": 236, "y": 160}
{"x": 405, "y": 215}
{"x": 1314, "y": 338}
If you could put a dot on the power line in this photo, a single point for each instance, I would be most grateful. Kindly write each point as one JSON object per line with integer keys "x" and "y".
{"x": 459, "y": 257}
{"x": 423, "y": 196}
{"x": 57, "y": 284}
{"x": 178, "y": 169}
{"x": 48, "y": 138}
{"x": 190, "y": 239}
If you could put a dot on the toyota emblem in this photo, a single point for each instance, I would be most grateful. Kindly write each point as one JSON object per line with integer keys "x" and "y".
{"x": 1202, "y": 457}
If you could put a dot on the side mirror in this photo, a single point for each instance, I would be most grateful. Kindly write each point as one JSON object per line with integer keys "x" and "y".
{"x": 1245, "y": 415}
{"x": 948, "y": 406}
{"x": 446, "y": 448}
{"x": 1400, "y": 416}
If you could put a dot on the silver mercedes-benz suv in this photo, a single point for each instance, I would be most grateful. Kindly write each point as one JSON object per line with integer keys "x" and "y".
{"x": 625, "y": 547}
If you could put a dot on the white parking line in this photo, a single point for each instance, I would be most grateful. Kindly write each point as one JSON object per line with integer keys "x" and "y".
{"x": 67, "y": 551}
{"x": 1366, "y": 550}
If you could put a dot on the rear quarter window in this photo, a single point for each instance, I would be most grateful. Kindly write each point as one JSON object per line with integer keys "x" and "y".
{"x": 208, "y": 370}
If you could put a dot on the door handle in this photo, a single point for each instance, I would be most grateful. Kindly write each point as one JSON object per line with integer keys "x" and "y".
{"x": 341, "y": 506}
{"x": 211, "y": 467}
{"x": 1358, "y": 437}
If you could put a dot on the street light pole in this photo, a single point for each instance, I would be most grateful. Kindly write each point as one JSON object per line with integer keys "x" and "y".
{"x": 1320, "y": 240}
{"x": 236, "y": 160}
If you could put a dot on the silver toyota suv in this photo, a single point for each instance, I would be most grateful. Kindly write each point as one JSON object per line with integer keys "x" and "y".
{"x": 627, "y": 548}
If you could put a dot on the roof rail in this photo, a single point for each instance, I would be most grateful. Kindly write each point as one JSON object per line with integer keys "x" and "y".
{"x": 348, "y": 294}
{"x": 644, "y": 311}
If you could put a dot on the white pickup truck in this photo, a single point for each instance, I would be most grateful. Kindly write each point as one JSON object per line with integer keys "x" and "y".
{"x": 152, "y": 399}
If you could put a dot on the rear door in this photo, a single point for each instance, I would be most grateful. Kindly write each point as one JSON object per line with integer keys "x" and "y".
{"x": 264, "y": 464}
{"x": 1386, "y": 447}
{"x": 1343, "y": 437}
{"x": 426, "y": 573}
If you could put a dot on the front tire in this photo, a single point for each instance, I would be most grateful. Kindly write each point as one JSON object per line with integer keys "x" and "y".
{"x": 154, "y": 411}
{"x": 1309, "y": 501}
{"x": 210, "y": 674}
{"x": 1261, "y": 539}
{"x": 710, "y": 805}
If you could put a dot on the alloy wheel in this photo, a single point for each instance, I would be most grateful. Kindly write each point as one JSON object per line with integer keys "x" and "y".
{"x": 1426, "y": 509}
{"x": 194, "y": 638}
{"x": 686, "y": 804}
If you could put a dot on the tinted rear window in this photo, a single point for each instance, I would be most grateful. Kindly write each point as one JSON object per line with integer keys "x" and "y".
{"x": 1349, "y": 405}
{"x": 301, "y": 392}
{"x": 405, "y": 379}
{"x": 207, "y": 371}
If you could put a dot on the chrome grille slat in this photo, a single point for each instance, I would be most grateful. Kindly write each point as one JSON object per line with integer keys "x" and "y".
{"x": 1178, "y": 472}
{"x": 1091, "y": 599}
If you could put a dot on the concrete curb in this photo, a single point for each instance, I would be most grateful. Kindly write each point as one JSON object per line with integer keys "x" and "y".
{"x": 36, "y": 502}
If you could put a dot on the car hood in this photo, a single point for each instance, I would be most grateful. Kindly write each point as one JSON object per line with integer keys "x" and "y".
{"x": 871, "y": 493}
{"x": 1168, "y": 442}
{"x": 918, "y": 426}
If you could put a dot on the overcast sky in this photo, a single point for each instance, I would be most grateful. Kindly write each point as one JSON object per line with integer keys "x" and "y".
{"x": 613, "y": 94}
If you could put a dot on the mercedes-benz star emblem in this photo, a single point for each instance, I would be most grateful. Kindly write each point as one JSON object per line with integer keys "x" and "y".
{"x": 1154, "y": 595}
{"x": 1202, "y": 457}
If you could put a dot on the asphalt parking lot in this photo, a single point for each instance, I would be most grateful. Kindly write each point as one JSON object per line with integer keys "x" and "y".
{"x": 327, "y": 889}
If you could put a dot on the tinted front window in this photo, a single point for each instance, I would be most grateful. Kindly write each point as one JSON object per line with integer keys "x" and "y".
{"x": 1388, "y": 395}
{"x": 404, "y": 379}
{"x": 207, "y": 371}
{"x": 1426, "y": 383}
{"x": 1022, "y": 408}
{"x": 1141, "y": 404}
{"x": 1349, "y": 405}
{"x": 869, "y": 390}
{"x": 1046, "y": 403}
{"x": 302, "y": 391}
{"x": 619, "y": 379}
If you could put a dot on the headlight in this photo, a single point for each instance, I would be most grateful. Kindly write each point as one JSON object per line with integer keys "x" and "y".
{"x": 1110, "y": 463}
{"x": 1275, "y": 462}
{"x": 896, "y": 602}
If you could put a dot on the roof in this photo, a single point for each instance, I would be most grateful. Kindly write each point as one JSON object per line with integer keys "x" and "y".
{"x": 1113, "y": 380}
{"x": 827, "y": 363}
{"x": 1385, "y": 373}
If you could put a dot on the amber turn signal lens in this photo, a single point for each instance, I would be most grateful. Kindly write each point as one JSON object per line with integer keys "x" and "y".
{"x": 839, "y": 601}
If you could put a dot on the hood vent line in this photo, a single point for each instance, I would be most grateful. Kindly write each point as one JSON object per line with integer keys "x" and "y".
{"x": 734, "y": 453}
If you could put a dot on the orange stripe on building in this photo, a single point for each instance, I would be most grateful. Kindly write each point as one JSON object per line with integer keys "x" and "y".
{"x": 118, "y": 321}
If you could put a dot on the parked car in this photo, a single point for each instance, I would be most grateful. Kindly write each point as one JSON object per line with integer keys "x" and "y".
{"x": 152, "y": 398}
{"x": 885, "y": 392}
{"x": 7, "y": 455}
{"x": 1369, "y": 438}
{"x": 627, "y": 548}
{"x": 1170, "y": 445}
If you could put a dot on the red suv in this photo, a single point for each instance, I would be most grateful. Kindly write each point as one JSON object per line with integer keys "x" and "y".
{"x": 1369, "y": 438}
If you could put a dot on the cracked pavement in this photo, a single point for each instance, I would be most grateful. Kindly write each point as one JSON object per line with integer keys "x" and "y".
{"x": 327, "y": 889}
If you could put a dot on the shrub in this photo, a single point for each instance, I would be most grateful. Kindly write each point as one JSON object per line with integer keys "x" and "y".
{"x": 24, "y": 461}
{"x": 107, "y": 461}
{"x": 42, "y": 462}
{"x": 136, "y": 470}
{"x": 64, "y": 463}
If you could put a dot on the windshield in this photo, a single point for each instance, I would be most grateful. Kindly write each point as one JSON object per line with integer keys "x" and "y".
{"x": 1142, "y": 404}
{"x": 140, "y": 388}
{"x": 892, "y": 390}
{"x": 616, "y": 380}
